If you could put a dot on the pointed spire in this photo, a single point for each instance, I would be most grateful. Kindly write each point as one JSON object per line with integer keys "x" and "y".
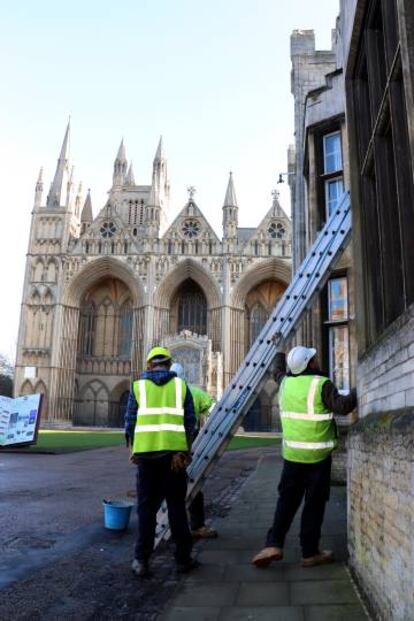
{"x": 130, "y": 179}
{"x": 39, "y": 188}
{"x": 64, "y": 152}
{"x": 121, "y": 155}
{"x": 230, "y": 199}
{"x": 39, "y": 182}
{"x": 54, "y": 198}
{"x": 159, "y": 155}
{"x": 87, "y": 215}
{"x": 120, "y": 166}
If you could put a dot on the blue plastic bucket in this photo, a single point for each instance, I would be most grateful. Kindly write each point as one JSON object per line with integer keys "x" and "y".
{"x": 116, "y": 514}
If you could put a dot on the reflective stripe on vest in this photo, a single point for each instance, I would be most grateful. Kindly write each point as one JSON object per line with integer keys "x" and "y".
{"x": 308, "y": 427}
{"x": 160, "y": 428}
{"x": 309, "y": 445}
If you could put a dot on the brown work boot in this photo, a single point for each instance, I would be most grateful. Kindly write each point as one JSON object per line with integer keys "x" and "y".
{"x": 205, "y": 532}
{"x": 267, "y": 556}
{"x": 322, "y": 558}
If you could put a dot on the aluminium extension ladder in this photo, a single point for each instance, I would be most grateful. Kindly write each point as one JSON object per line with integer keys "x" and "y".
{"x": 241, "y": 392}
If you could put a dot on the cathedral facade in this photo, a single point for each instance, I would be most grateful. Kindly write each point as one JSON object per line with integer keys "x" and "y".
{"x": 100, "y": 291}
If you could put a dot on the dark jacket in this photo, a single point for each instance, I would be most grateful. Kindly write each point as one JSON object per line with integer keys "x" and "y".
{"x": 332, "y": 399}
{"x": 159, "y": 377}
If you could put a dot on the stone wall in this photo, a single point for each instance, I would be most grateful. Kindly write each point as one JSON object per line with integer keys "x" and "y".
{"x": 381, "y": 511}
{"x": 381, "y": 474}
{"x": 386, "y": 372}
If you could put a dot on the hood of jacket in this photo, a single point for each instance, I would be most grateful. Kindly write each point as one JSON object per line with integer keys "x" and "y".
{"x": 158, "y": 376}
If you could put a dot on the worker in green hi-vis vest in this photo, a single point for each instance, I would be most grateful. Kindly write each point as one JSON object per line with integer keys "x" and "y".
{"x": 203, "y": 404}
{"x": 308, "y": 401}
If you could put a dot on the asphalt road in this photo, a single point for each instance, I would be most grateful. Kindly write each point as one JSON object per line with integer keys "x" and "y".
{"x": 58, "y": 562}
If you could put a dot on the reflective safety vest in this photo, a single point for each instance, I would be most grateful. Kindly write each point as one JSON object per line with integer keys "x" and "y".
{"x": 309, "y": 429}
{"x": 202, "y": 401}
{"x": 160, "y": 420}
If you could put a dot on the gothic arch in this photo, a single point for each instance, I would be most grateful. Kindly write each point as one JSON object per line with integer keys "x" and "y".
{"x": 268, "y": 269}
{"x": 51, "y": 270}
{"x": 26, "y": 388}
{"x": 93, "y": 405}
{"x": 99, "y": 269}
{"x": 47, "y": 296}
{"x": 35, "y": 296}
{"x": 38, "y": 267}
{"x": 40, "y": 388}
{"x": 184, "y": 270}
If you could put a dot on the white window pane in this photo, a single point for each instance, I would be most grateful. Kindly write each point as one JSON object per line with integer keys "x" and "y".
{"x": 338, "y": 299}
{"x": 332, "y": 152}
{"x": 333, "y": 193}
{"x": 339, "y": 357}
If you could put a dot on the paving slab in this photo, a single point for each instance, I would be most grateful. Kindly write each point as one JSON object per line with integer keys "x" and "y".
{"x": 264, "y": 613}
{"x": 228, "y": 587}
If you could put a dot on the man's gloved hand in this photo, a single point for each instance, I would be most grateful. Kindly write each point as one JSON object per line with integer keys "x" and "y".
{"x": 133, "y": 458}
{"x": 180, "y": 461}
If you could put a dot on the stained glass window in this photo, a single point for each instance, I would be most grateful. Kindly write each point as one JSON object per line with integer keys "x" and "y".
{"x": 191, "y": 228}
{"x": 338, "y": 299}
{"x": 108, "y": 229}
{"x": 125, "y": 329}
{"x": 88, "y": 331}
{"x": 257, "y": 319}
{"x": 192, "y": 309}
{"x": 276, "y": 230}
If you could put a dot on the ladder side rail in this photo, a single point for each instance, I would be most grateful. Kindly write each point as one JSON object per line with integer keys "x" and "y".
{"x": 310, "y": 288}
{"x": 314, "y": 287}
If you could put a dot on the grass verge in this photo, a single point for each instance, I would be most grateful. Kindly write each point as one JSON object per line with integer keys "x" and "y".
{"x": 73, "y": 441}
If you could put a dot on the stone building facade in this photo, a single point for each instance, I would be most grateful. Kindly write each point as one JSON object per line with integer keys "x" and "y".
{"x": 100, "y": 291}
{"x": 318, "y": 175}
{"x": 375, "y": 48}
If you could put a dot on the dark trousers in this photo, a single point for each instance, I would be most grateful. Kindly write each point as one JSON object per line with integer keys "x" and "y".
{"x": 156, "y": 482}
{"x": 196, "y": 511}
{"x": 311, "y": 481}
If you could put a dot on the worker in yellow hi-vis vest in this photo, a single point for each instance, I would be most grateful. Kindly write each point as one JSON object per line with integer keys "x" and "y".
{"x": 203, "y": 404}
{"x": 159, "y": 425}
{"x": 308, "y": 401}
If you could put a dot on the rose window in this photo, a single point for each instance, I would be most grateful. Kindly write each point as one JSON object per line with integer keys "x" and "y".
{"x": 108, "y": 229}
{"x": 276, "y": 230}
{"x": 191, "y": 228}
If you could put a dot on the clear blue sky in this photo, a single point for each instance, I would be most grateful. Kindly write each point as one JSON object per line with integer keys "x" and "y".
{"x": 212, "y": 77}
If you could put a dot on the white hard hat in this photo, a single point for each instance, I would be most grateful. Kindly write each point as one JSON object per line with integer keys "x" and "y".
{"x": 299, "y": 357}
{"x": 178, "y": 369}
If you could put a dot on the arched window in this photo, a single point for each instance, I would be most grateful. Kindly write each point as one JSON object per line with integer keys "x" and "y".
{"x": 125, "y": 329}
{"x": 192, "y": 308}
{"x": 258, "y": 318}
{"x": 88, "y": 330}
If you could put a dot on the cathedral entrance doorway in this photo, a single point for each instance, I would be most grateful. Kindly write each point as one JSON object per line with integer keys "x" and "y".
{"x": 259, "y": 303}
{"x": 104, "y": 354}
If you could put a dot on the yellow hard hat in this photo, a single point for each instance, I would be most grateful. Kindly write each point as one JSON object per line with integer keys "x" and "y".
{"x": 159, "y": 352}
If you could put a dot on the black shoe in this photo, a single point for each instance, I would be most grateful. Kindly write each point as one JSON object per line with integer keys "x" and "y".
{"x": 184, "y": 568}
{"x": 141, "y": 568}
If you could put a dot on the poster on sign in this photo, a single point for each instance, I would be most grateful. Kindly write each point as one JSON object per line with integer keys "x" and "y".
{"x": 19, "y": 420}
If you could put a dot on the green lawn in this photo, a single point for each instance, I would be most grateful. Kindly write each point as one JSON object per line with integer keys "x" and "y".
{"x": 72, "y": 441}
{"x": 245, "y": 442}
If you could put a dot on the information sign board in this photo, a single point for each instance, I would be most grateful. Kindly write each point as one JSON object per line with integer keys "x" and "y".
{"x": 19, "y": 420}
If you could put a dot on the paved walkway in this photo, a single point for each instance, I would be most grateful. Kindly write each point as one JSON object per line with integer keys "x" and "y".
{"x": 227, "y": 587}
